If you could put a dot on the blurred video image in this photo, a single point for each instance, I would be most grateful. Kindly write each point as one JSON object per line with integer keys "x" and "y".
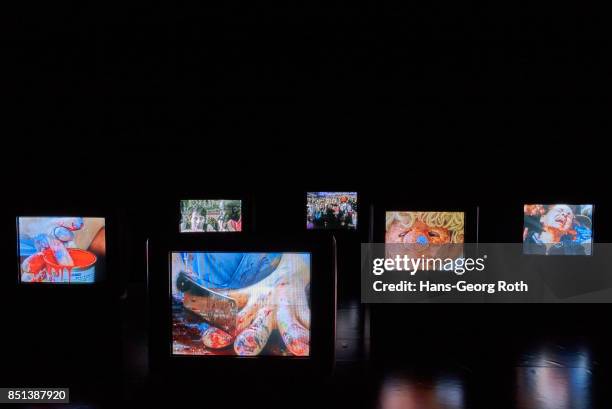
{"x": 201, "y": 216}
{"x": 331, "y": 210}
{"x": 241, "y": 304}
{"x": 66, "y": 250}
{"x": 558, "y": 229}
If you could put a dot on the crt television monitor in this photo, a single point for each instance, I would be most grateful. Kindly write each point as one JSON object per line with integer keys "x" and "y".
{"x": 557, "y": 229}
{"x": 241, "y": 303}
{"x": 211, "y": 216}
{"x": 66, "y": 250}
{"x": 231, "y": 302}
{"x": 439, "y": 234}
{"x": 331, "y": 210}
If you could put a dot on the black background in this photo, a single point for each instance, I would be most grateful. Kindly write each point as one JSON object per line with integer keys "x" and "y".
{"x": 127, "y": 107}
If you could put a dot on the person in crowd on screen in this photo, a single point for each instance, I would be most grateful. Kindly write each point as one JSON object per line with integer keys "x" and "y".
{"x": 234, "y": 222}
{"x": 330, "y": 217}
{"x": 319, "y": 220}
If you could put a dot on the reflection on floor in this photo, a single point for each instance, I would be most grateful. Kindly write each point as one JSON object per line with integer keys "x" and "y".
{"x": 548, "y": 374}
{"x": 555, "y": 377}
{"x": 426, "y": 372}
{"x": 407, "y": 392}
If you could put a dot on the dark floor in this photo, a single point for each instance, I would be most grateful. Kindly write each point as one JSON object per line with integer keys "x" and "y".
{"x": 455, "y": 373}
{"x": 546, "y": 374}
{"x": 457, "y": 366}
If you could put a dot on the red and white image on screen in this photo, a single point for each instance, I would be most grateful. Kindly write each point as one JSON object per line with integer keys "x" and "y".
{"x": 558, "y": 229}
{"x": 240, "y": 304}
{"x": 61, "y": 250}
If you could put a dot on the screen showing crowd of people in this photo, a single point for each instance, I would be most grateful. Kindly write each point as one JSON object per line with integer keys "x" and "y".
{"x": 331, "y": 210}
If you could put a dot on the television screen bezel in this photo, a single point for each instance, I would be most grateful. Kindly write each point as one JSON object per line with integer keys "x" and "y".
{"x": 33, "y": 284}
{"x": 115, "y": 276}
{"x": 323, "y": 289}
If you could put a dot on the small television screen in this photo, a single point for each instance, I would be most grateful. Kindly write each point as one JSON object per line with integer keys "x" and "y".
{"x": 432, "y": 234}
{"x": 61, "y": 250}
{"x": 557, "y": 229}
{"x": 240, "y": 304}
{"x": 331, "y": 210}
{"x": 425, "y": 227}
{"x": 206, "y": 216}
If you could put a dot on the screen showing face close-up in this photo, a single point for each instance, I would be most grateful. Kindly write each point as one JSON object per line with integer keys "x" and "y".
{"x": 240, "y": 304}
{"x": 331, "y": 210}
{"x": 61, "y": 250}
{"x": 558, "y": 229}
{"x": 206, "y": 216}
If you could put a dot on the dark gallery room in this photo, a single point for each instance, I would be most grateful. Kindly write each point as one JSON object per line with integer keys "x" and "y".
{"x": 385, "y": 205}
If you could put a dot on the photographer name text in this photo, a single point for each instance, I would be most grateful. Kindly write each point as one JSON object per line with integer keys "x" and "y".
{"x": 460, "y": 286}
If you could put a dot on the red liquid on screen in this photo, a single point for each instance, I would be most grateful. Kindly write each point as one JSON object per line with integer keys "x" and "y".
{"x": 82, "y": 259}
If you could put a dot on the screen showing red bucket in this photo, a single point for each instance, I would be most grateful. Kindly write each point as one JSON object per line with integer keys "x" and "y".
{"x": 61, "y": 250}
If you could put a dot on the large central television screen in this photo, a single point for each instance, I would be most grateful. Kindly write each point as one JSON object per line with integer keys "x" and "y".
{"x": 557, "y": 229}
{"x": 240, "y": 304}
{"x": 331, "y": 210}
{"x": 209, "y": 216}
{"x": 61, "y": 250}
